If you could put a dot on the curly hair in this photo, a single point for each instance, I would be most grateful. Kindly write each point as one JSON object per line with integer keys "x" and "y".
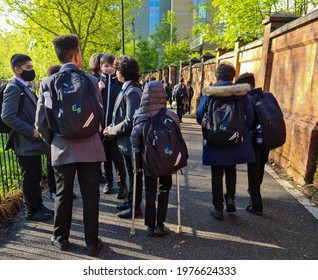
{"x": 128, "y": 67}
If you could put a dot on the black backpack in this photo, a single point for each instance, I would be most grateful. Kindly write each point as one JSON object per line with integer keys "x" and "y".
{"x": 75, "y": 111}
{"x": 224, "y": 122}
{"x": 3, "y": 127}
{"x": 164, "y": 149}
{"x": 180, "y": 92}
{"x": 271, "y": 119}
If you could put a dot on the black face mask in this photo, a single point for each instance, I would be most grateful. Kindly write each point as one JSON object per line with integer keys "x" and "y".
{"x": 28, "y": 75}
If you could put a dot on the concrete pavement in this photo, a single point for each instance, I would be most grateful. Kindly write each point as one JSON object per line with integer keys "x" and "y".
{"x": 286, "y": 231}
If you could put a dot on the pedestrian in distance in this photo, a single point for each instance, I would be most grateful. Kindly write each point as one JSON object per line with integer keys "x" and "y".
{"x": 180, "y": 95}
{"x": 110, "y": 88}
{"x": 190, "y": 95}
{"x": 79, "y": 152}
{"x": 223, "y": 158}
{"x": 127, "y": 102}
{"x": 256, "y": 169}
{"x": 24, "y": 138}
{"x": 153, "y": 99}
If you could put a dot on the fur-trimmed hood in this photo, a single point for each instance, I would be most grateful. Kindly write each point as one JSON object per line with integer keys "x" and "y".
{"x": 226, "y": 89}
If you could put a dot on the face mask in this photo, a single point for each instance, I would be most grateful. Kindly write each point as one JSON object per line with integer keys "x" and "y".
{"x": 28, "y": 75}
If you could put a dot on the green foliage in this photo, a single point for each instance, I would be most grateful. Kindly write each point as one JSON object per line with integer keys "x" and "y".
{"x": 176, "y": 52}
{"x": 147, "y": 56}
{"x": 96, "y": 22}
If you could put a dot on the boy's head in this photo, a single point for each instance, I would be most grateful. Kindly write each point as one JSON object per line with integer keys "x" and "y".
{"x": 225, "y": 72}
{"x": 128, "y": 68}
{"x": 94, "y": 63}
{"x": 106, "y": 64}
{"x": 22, "y": 67}
{"x": 67, "y": 49}
{"x": 53, "y": 69}
{"x": 246, "y": 78}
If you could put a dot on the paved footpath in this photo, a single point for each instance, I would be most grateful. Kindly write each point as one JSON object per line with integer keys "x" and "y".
{"x": 286, "y": 231}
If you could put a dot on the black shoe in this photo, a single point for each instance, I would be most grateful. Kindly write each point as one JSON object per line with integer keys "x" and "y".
{"x": 108, "y": 188}
{"x": 122, "y": 192}
{"x": 94, "y": 251}
{"x": 217, "y": 214}
{"x": 123, "y": 206}
{"x": 127, "y": 214}
{"x": 230, "y": 205}
{"x": 39, "y": 216}
{"x": 150, "y": 231}
{"x": 46, "y": 210}
{"x": 62, "y": 245}
{"x": 249, "y": 208}
{"x": 160, "y": 231}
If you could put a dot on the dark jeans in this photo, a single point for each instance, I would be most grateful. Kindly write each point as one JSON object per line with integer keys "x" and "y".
{"x": 255, "y": 177}
{"x": 31, "y": 172}
{"x": 151, "y": 183}
{"x": 113, "y": 155}
{"x": 217, "y": 184}
{"x": 88, "y": 179}
{"x": 180, "y": 108}
{"x": 130, "y": 171}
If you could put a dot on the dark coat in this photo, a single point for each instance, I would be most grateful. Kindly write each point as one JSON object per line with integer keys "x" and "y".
{"x": 65, "y": 151}
{"x": 21, "y": 121}
{"x": 228, "y": 155}
{"x": 125, "y": 107}
{"x": 153, "y": 99}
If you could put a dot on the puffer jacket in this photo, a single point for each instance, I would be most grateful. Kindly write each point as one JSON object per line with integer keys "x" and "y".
{"x": 238, "y": 153}
{"x": 152, "y": 100}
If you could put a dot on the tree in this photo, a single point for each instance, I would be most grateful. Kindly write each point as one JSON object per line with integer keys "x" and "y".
{"x": 147, "y": 56}
{"x": 96, "y": 22}
{"x": 174, "y": 53}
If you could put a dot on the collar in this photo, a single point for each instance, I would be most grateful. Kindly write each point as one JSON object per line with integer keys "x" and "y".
{"x": 21, "y": 81}
{"x": 125, "y": 85}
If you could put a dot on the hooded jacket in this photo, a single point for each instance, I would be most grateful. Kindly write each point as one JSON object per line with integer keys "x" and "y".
{"x": 237, "y": 153}
{"x": 152, "y": 100}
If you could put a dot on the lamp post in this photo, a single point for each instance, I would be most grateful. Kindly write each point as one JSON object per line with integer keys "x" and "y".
{"x": 122, "y": 28}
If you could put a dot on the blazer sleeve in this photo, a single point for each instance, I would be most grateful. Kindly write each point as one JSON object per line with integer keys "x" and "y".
{"x": 202, "y": 108}
{"x": 10, "y": 111}
{"x": 248, "y": 112}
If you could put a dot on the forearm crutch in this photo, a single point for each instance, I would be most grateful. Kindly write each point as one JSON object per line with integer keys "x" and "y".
{"x": 179, "y": 229}
{"x": 133, "y": 230}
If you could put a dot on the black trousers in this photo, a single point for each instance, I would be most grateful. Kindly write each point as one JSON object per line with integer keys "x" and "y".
{"x": 217, "y": 184}
{"x": 113, "y": 155}
{"x": 180, "y": 108}
{"x": 88, "y": 179}
{"x": 31, "y": 172}
{"x": 255, "y": 172}
{"x": 130, "y": 171}
{"x": 151, "y": 185}
{"x": 50, "y": 173}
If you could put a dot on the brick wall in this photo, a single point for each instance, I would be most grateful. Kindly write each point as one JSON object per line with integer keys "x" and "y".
{"x": 284, "y": 62}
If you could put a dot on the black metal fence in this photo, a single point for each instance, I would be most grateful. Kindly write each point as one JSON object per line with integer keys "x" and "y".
{"x": 10, "y": 177}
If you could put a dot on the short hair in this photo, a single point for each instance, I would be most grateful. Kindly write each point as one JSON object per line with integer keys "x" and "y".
{"x": 181, "y": 80}
{"x": 94, "y": 62}
{"x": 17, "y": 60}
{"x": 225, "y": 72}
{"x": 66, "y": 46}
{"x": 107, "y": 58}
{"x": 128, "y": 67}
{"x": 52, "y": 69}
{"x": 246, "y": 78}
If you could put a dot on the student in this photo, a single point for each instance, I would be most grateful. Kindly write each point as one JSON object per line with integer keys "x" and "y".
{"x": 24, "y": 138}
{"x": 127, "y": 102}
{"x": 180, "y": 95}
{"x": 256, "y": 169}
{"x": 110, "y": 88}
{"x": 153, "y": 99}
{"x": 223, "y": 159}
{"x": 190, "y": 95}
{"x": 70, "y": 156}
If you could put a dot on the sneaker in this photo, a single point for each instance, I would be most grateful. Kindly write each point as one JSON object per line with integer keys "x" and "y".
{"x": 127, "y": 214}
{"x": 108, "y": 188}
{"x": 94, "y": 250}
{"x": 62, "y": 245}
{"x": 249, "y": 208}
{"x": 230, "y": 205}
{"x": 217, "y": 214}
{"x": 160, "y": 231}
